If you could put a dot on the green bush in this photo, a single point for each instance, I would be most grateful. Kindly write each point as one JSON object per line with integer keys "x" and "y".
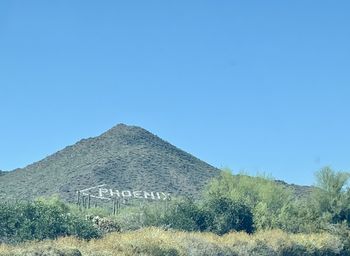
{"x": 223, "y": 214}
{"x": 219, "y": 215}
{"x": 276, "y": 207}
{"x": 181, "y": 214}
{"x": 185, "y": 215}
{"x": 40, "y": 220}
{"x": 333, "y": 195}
{"x": 263, "y": 197}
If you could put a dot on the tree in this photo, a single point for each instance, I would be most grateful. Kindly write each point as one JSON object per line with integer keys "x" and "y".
{"x": 333, "y": 194}
{"x": 262, "y": 196}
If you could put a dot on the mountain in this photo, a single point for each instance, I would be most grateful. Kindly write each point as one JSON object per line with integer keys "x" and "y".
{"x": 125, "y": 158}
{"x": 299, "y": 191}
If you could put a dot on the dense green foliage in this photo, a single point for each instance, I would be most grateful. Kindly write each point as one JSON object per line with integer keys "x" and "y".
{"x": 218, "y": 216}
{"x": 224, "y": 214}
{"x": 236, "y": 202}
{"x": 40, "y": 220}
{"x": 333, "y": 196}
{"x": 243, "y": 203}
{"x": 274, "y": 206}
{"x": 262, "y": 196}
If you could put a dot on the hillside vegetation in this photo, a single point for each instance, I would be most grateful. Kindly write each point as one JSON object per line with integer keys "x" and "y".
{"x": 269, "y": 219}
{"x": 125, "y": 157}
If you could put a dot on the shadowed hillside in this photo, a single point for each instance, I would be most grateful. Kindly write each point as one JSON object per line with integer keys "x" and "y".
{"x": 298, "y": 190}
{"x": 124, "y": 157}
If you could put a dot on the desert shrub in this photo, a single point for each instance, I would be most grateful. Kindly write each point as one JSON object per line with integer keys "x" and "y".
{"x": 326, "y": 207}
{"x": 341, "y": 231}
{"x": 181, "y": 214}
{"x": 156, "y": 241}
{"x": 81, "y": 228}
{"x": 135, "y": 217}
{"x": 104, "y": 224}
{"x": 40, "y": 220}
{"x": 154, "y": 250}
{"x": 219, "y": 215}
{"x": 202, "y": 246}
{"x": 276, "y": 207}
{"x": 278, "y": 242}
{"x": 149, "y": 241}
{"x": 333, "y": 195}
{"x": 223, "y": 214}
{"x": 262, "y": 196}
{"x": 185, "y": 215}
{"x": 300, "y": 216}
{"x": 323, "y": 244}
{"x": 50, "y": 251}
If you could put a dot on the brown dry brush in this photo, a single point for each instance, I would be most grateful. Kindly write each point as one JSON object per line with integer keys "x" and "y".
{"x": 155, "y": 241}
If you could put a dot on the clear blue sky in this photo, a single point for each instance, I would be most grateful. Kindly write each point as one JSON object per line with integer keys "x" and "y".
{"x": 259, "y": 86}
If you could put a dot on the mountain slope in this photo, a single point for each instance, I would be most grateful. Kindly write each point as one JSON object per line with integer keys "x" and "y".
{"x": 124, "y": 157}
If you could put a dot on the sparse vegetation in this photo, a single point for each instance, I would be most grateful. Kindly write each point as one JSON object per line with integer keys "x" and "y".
{"x": 237, "y": 215}
{"x": 124, "y": 157}
{"x": 155, "y": 241}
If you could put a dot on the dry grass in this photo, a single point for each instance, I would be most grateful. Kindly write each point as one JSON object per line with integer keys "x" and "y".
{"x": 155, "y": 241}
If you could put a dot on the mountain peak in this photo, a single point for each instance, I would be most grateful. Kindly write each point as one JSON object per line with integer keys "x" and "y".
{"x": 124, "y": 129}
{"x": 124, "y": 157}
{"x": 121, "y": 126}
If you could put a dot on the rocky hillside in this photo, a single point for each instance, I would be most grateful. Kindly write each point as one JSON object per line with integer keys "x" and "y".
{"x": 124, "y": 158}
{"x": 298, "y": 190}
